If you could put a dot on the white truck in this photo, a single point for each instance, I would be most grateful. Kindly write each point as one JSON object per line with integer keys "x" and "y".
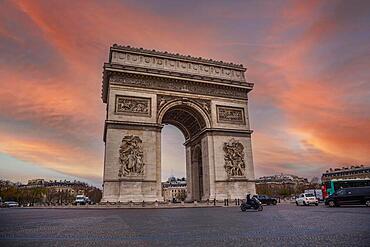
{"x": 82, "y": 200}
{"x": 316, "y": 192}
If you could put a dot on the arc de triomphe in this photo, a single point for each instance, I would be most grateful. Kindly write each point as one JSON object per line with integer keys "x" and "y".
{"x": 207, "y": 100}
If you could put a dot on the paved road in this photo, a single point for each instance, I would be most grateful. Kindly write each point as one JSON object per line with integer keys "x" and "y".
{"x": 280, "y": 225}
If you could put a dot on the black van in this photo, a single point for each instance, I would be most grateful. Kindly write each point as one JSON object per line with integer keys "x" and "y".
{"x": 349, "y": 196}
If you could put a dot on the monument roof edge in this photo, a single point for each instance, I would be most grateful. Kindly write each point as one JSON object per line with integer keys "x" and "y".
{"x": 178, "y": 56}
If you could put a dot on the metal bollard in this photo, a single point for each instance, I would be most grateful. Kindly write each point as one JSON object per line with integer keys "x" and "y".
{"x": 236, "y": 202}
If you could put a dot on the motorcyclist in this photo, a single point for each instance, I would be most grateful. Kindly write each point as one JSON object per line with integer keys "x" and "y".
{"x": 253, "y": 203}
{"x": 249, "y": 200}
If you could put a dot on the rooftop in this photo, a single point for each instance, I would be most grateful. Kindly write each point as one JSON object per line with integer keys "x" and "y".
{"x": 347, "y": 168}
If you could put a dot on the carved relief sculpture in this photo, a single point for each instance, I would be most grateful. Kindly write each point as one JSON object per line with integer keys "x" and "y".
{"x": 233, "y": 115}
{"x": 132, "y": 105}
{"x": 131, "y": 157}
{"x": 234, "y": 158}
{"x": 178, "y": 86}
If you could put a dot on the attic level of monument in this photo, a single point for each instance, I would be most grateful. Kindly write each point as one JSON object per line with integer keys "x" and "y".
{"x": 177, "y": 56}
{"x": 126, "y": 62}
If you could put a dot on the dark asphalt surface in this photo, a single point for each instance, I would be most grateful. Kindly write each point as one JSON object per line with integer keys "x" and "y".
{"x": 280, "y": 225}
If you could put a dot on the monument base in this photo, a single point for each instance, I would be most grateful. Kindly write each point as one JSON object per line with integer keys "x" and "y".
{"x": 126, "y": 191}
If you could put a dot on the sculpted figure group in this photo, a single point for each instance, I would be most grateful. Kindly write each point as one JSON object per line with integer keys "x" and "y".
{"x": 131, "y": 157}
{"x": 234, "y": 158}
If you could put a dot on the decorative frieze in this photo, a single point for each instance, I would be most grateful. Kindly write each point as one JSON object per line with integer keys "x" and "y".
{"x": 175, "y": 85}
{"x": 133, "y": 105}
{"x": 131, "y": 157}
{"x": 234, "y": 158}
{"x": 231, "y": 115}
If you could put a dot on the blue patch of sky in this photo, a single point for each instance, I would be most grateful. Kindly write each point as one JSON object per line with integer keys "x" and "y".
{"x": 42, "y": 131}
{"x": 21, "y": 171}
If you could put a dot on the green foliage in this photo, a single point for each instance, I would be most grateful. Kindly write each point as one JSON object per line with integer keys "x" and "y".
{"x": 181, "y": 196}
{"x": 283, "y": 190}
{"x": 22, "y": 195}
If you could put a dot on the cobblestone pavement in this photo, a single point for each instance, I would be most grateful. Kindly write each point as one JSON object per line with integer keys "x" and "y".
{"x": 280, "y": 225}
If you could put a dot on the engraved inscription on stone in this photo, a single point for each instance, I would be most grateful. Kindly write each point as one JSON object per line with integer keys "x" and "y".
{"x": 232, "y": 115}
{"x": 131, "y": 157}
{"x": 234, "y": 158}
{"x": 133, "y": 105}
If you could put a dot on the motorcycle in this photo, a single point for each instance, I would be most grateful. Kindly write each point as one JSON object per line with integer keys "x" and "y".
{"x": 253, "y": 203}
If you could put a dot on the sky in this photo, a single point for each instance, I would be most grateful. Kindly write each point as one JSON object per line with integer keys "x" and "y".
{"x": 309, "y": 62}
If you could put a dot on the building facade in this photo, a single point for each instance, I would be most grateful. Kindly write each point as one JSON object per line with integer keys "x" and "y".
{"x": 282, "y": 185}
{"x": 207, "y": 100}
{"x": 360, "y": 171}
{"x": 174, "y": 189}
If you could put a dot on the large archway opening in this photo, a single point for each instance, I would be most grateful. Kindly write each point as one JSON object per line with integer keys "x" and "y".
{"x": 190, "y": 122}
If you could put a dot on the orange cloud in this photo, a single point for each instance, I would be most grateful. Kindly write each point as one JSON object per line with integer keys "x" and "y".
{"x": 59, "y": 92}
{"x": 315, "y": 104}
{"x": 84, "y": 35}
{"x": 52, "y": 114}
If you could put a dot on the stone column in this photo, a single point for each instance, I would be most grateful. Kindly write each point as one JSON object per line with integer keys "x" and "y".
{"x": 189, "y": 174}
{"x": 159, "y": 168}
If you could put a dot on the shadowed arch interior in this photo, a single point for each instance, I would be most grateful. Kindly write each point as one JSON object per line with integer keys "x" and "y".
{"x": 187, "y": 119}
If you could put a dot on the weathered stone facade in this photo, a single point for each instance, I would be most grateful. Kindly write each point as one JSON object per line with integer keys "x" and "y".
{"x": 207, "y": 100}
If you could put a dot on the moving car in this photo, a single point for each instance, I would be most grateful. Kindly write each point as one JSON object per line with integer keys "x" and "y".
{"x": 306, "y": 199}
{"x": 266, "y": 199}
{"x": 349, "y": 196}
{"x": 10, "y": 204}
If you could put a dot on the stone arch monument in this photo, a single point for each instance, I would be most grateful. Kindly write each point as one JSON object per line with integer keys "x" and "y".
{"x": 207, "y": 100}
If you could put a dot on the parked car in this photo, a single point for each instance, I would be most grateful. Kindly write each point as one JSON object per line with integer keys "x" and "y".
{"x": 266, "y": 199}
{"x": 306, "y": 199}
{"x": 10, "y": 204}
{"x": 349, "y": 196}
